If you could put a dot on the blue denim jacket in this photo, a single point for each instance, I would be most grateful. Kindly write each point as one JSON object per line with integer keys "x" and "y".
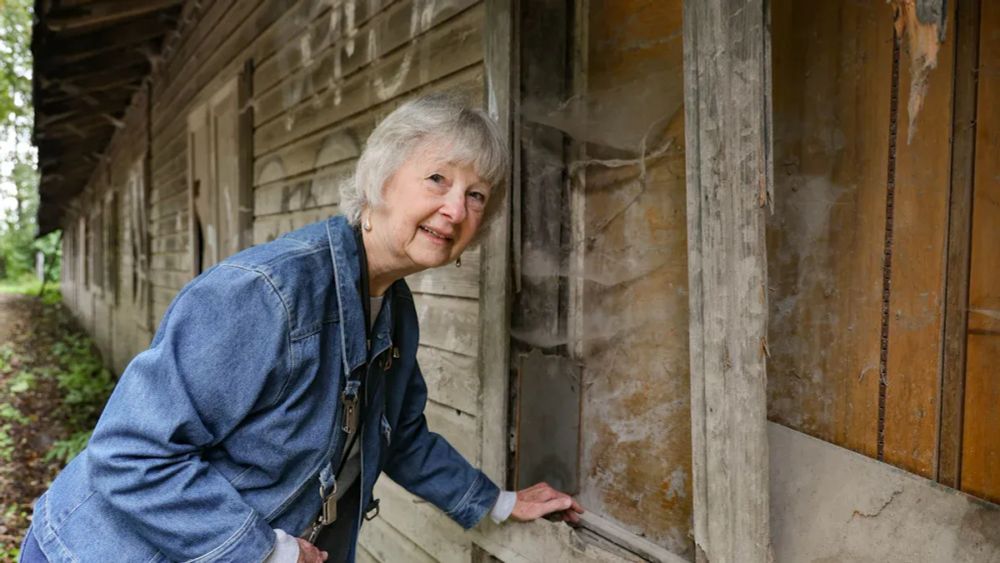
{"x": 228, "y": 425}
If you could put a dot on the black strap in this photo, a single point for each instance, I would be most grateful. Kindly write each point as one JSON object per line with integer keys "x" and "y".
{"x": 347, "y": 452}
{"x": 364, "y": 290}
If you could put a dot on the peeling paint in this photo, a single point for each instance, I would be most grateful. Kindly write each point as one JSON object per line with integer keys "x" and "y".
{"x": 922, "y": 23}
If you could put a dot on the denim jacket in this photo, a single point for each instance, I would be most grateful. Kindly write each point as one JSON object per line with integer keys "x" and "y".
{"x": 228, "y": 425}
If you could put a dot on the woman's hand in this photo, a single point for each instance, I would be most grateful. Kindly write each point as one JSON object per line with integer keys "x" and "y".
{"x": 309, "y": 553}
{"x": 542, "y": 500}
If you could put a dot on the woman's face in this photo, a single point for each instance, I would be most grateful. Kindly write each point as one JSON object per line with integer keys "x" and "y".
{"x": 431, "y": 209}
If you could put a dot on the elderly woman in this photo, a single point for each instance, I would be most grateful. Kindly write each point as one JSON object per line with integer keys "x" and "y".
{"x": 283, "y": 381}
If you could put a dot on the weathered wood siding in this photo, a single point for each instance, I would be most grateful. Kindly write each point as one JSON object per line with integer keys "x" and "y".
{"x": 113, "y": 313}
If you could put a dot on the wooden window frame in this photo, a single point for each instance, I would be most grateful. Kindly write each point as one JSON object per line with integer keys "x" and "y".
{"x": 110, "y": 242}
{"x": 203, "y": 115}
{"x": 137, "y": 195}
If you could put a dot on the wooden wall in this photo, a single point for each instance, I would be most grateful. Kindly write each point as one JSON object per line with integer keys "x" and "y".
{"x": 980, "y": 469}
{"x": 867, "y": 202}
{"x": 115, "y": 313}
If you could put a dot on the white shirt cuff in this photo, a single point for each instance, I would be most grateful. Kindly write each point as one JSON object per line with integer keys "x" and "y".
{"x": 503, "y": 507}
{"x": 286, "y": 549}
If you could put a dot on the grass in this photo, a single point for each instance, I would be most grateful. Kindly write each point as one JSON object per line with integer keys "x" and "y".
{"x": 30, "y": 285}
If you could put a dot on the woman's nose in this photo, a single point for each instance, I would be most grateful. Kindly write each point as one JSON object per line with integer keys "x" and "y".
{"x": 454, "y": 208}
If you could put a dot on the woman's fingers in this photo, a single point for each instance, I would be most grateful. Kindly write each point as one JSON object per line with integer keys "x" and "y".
{"x": 309, "y": 553}
{"x": 541, "y": 500}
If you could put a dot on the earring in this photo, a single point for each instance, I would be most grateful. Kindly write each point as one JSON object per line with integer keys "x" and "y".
{"x": 458, "y": 263}
{"x": 368, "y": 224}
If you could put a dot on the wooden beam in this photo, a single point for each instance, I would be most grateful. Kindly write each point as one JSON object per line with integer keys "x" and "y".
{"x": 494, "y": 284}
{"x": 66, "y": 59}
{"x": 153, "y": 26}
{"x": 51, "y": 97}
{"x": 980, "y": 471}
{"x": 109, "y": 62}
{"x": 59, "y": 90}
{"x": 956, "y": 313}
{"x": 48, "y": 113}
{"x": 729, "y": 178}
{"x": 102, "y": 13}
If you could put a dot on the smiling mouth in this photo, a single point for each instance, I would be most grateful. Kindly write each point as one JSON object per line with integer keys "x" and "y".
{"x": 434, "y": 233}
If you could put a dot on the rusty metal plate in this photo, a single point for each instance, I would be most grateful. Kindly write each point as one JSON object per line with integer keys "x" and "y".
{"x": 548, "y": 422}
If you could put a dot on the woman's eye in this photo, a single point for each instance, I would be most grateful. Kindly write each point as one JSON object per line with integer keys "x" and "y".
{"x": 436, "y": 178}
{"x": 478, "y": 196}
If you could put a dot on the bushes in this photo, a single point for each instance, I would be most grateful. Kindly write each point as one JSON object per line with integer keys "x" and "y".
{"x": 70, "y": 361}
{"x": 86, "y": 385}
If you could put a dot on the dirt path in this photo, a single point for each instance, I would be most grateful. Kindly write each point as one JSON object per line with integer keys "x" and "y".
{"x": 30, "y": 401}
{"x": 8, "y": 315}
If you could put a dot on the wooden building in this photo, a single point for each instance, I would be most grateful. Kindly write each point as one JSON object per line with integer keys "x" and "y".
{"x": 745, "y": 298}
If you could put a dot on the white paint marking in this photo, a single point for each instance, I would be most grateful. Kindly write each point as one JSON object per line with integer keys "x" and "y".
{"x": 388, "y": 89}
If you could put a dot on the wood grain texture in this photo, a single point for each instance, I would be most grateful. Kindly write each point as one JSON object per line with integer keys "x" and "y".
{"x": 451, "y": 378}
{"x": 727, "y": 104}
{"x": 500, "y": 45}
{"x": 449, "y": 279}
{"x": 318, "y": 188}
{"x": 981, "y": 436}
{"x": 387, "y": 545}
{"x": 448, "y": 323}
{"x": 397, "y": 73}
{"x": 919, "y": 240}
{"x": 457, "y": 427}
{"x": 832, "y": 70}
{"x": 422, "y": 523}
{"x": 959, "y": 242}
{"x": 339, "y": 48}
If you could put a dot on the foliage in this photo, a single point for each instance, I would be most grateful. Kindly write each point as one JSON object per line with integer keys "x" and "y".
{"x": 22, "y": 382}
{"x": 65, "y": 450}
{"x": 30, "y": 285}
{"x": 75, "y": 366}
{"x": 18, "y": 161}
{"x": 53, "y": 387}
{"x": 86, "y": 385}
{"x": 15, "y": 63}
{"x": 6, "y": 442}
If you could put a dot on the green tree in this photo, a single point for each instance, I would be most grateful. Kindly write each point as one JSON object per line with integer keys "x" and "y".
{"x": 18, "y": 160}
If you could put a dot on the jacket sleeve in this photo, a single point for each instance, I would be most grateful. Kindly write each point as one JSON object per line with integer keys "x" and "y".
{"x": 425, "y": 464}
{"x": 220, "y": 354}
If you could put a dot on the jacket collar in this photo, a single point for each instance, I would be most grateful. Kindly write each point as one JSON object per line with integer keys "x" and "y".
{"x": 347, "y": 278}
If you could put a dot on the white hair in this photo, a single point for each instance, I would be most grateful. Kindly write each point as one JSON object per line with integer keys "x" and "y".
{"x": 469, "y": 136}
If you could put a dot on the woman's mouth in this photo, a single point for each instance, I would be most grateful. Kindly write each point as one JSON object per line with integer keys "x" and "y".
{"x": 435, "y": 235}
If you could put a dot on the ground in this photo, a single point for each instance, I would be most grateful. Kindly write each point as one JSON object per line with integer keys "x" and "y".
{"x": 32, "y": 414}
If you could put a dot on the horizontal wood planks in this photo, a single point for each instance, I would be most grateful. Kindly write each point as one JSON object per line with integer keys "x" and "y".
{"x": 421, "y": 523}
{"x": 980, "y": 471}
{"x": 383, "y": 542}
{"x": 396, "y": 74}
